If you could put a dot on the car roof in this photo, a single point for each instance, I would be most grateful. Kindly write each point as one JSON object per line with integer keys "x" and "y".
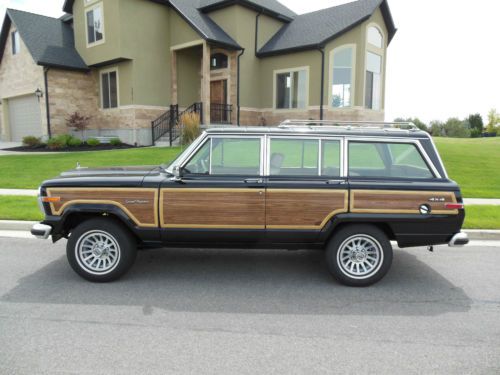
{"x": 319, "y": 131}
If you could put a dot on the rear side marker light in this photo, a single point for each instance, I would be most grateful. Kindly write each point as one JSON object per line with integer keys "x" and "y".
{"x": 51, "y": 199}
{"x": 454, "y": 206}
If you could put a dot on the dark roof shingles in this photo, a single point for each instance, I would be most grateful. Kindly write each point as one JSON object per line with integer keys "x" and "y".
{"x": 273, "y": 6}
{"x": 49, "y": 40}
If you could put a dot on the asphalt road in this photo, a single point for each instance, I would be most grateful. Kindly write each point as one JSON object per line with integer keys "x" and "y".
{"x": 250, "y": 312}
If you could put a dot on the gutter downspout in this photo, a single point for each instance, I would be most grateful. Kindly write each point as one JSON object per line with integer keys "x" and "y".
{"x": 322, "y": 51}
{"x": 238, "y": 88}
{"x": 47, "y": 107}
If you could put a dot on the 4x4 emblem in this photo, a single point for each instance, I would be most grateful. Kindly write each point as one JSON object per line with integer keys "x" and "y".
{"x": 437, "y": 199}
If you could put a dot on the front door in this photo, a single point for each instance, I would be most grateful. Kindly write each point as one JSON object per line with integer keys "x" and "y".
{"x": 218, "y": 101}
{"x": 304, "y": 189}
{"x": 221, "y": 197}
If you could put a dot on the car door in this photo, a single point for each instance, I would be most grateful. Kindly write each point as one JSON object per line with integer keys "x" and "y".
{"x": 306, "y": 187}
{"x": 220, "y": 196}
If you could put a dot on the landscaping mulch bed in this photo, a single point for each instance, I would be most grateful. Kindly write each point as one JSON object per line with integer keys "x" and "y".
{"x": 83, "y": 147}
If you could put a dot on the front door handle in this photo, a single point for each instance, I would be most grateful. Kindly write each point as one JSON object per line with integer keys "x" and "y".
{"x": 336, "y": 182}
{"x": 253, "y": 181}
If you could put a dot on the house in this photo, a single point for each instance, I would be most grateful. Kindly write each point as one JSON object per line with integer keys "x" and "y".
{"x": 126, "y": 63}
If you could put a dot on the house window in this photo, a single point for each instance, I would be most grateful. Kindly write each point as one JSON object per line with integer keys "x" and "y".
{"x": 218, "y": 61}
{"x": 109, "y": 89}
{"x": 95, "y": 25}
{"x": 375, "y": 37}
{"x": 16, "y": 42}
{"x": 342, "y": 85}
{"x": 373, "y": 86}
{"x": 291, "y": 89}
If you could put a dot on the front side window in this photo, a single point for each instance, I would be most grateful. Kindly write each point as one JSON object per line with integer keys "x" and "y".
{"x": 373, "y": 86}
{"x": 218, "y": 61}
{"x": 95, "y": 25}
{"x": 109, "y": 89}
{"x": 16, "y": 42}
{"x": 387, "y": 160}
{"x": 342, "y": 77}
{"x": 291, "y": 89}
{"x": 235, "y": 156}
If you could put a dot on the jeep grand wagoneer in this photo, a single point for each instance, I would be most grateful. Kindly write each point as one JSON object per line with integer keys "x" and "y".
{"x": 346, "y": 188}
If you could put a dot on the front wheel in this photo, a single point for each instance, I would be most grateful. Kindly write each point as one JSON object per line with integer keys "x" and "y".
{"x": 101, "y": 250}
{"x": 359, "y": 255}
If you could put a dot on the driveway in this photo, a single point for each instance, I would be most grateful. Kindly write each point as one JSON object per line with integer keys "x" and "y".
{"x": 250, "y": 312}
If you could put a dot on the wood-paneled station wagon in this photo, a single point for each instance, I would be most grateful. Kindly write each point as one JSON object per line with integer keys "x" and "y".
{"x": 346, "y": 188}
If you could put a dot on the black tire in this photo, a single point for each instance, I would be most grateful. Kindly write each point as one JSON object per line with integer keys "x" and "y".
{"x": 353, "y": 250}
{"x": 114, "y": 247}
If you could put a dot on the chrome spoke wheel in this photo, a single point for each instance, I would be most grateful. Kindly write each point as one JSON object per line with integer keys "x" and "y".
{"x": 97, "y": 252}
{"x": 360, "y": 256}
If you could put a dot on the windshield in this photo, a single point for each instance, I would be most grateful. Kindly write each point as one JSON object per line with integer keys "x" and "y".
{"x": 169, "y": 166}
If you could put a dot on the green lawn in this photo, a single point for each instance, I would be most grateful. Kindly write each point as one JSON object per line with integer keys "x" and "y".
{"x": 26, "y": 208}
{"x": 473, "y": 163}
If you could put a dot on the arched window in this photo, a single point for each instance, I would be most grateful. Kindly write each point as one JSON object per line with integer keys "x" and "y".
{"x": 218, "y": 61}
{"x": 375, "y": 37}
{"x": 342, "y": 82}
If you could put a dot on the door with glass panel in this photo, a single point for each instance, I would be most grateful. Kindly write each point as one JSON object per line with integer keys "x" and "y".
{"x": 305, "y": 187}
{"x": 221, "y": 191}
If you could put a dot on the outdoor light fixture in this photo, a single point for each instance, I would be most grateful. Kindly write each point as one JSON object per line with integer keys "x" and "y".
{"x": 39, "y": 94}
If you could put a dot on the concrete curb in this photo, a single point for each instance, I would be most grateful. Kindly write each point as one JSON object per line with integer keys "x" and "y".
{"x": 474, "y": 234}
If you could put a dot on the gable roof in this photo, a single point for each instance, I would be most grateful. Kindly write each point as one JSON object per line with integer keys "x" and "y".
{"x": 49, "y": 40}
{"x": 314, "y": 30}
{"x": 272, "y": 8}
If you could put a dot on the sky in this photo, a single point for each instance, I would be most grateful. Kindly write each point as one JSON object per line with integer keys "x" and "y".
{"x": 443, "y": 62}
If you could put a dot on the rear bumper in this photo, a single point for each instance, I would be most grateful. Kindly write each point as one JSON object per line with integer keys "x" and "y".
{"x": 459, "y": 239}
{"x": 41, "y": 231}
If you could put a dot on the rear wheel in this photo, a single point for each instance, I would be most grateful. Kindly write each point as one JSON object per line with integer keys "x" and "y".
{"x": 359, "y": 255}
{"x": 101, "y": 250}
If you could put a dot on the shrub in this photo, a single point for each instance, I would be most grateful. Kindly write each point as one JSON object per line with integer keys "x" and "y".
{"x": 115, "y": 142}
{"x": 31, "y": 141}
{"x": 92, "y": 142}
{"x": 190, "y": 127}
{"x": 74, "y": 142}
{"x": 56, "y": 143}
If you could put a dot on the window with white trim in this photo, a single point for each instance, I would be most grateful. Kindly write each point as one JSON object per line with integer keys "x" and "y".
{"x": 291, "y": 89}
{"x": 109, "y": 89}
{"x": 375, "y": 37}
{"x": 342, "y": 83}
{"x": 16, "y": 42}
{"x": 95, "y": 25}
{"x": 373, "y": 83}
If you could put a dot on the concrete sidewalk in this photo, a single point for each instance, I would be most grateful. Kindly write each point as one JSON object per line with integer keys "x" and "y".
{"x": 467, "y": 201}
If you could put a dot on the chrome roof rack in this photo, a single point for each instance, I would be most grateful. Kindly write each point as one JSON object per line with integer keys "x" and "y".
{"x": 348, "y": 124}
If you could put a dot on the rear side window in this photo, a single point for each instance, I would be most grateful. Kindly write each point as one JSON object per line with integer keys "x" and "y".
{"x": 294, "y": 157}
{"x": 389, "y": 160}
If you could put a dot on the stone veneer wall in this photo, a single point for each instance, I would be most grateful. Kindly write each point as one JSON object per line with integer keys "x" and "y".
{"x": 271, "y": 117}
{"x": 71, "y": 92}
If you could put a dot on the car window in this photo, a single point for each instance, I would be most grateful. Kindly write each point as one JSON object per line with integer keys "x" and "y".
{"x": 293, "y": 157}
{"x": 330, "y": 158}
{"x": 383, "y": 159}
{"x": 235, "y": 156}
{"x": 200, "y": 162}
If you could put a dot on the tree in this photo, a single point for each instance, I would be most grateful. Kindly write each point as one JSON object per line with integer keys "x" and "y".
{"x": 437, "y": 129}
{"x": 476, "y": 125}
{"x": 493, "y": 121}
{"x": 419, "y": 124}
{"x": 78, "y": 122}
{"x": 456, "y": 128}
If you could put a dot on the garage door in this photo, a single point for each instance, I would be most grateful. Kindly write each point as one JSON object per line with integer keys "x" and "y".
{"x": 25, "y": 118}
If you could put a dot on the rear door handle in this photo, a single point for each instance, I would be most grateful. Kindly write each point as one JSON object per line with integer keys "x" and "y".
{"x": 253, "y": 181}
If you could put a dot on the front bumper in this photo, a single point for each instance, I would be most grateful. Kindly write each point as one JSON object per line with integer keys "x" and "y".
{"x": 41, "y": 231}
{"x": 459, "y": 239}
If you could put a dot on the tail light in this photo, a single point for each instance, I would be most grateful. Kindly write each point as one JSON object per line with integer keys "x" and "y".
{"x": 454, "y": 206}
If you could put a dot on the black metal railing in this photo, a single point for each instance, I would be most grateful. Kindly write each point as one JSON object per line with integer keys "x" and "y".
{"x": 168, "y": 122}
{"x": 220, "y": 113}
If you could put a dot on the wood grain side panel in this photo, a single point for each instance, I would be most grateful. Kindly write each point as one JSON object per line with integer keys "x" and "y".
{"x": 404, "y": 202}
{"x": 139, "y": 204}
{"x": 212, "y": 208}
{"x": 303, "y": 208}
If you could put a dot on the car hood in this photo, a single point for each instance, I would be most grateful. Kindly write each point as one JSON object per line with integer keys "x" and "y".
{"x": 135, "y": 171}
